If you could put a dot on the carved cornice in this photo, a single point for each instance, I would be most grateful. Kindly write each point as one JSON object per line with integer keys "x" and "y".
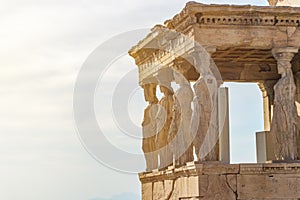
{"x": 165, "y": 47}
{"x": 235, "y": 15}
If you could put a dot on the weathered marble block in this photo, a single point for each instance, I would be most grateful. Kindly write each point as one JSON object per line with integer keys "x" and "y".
{"x": 223, "y": 181}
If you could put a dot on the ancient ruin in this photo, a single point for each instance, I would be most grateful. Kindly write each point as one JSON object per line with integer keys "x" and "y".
{"x": 186, "y": 132}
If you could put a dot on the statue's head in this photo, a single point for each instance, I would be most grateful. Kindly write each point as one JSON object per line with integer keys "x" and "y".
{"x": 150, "y": 92}
{"x": 179, "y": 78}
{"x": 164, "y": 78}
{"x": 201, "y": 61}
{"x": 283, "y": 67}
{"x": 166, "y": 90}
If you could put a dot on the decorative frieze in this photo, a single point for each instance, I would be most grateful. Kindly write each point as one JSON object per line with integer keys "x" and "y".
{"x": 250, "y": 20}
{"x": 237, "y": 20}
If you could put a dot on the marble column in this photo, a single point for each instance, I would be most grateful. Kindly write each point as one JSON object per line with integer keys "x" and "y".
{"x": 264, "y": 143}
{"x": 285, "y": 121}
{"x": 267, "y": 90}
{"x": 223, "y": 124}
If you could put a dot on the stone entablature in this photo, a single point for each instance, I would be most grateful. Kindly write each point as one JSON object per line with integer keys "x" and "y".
{"x": 199, "y": 13}
{"x": 241, "y": 35}
{"x": 163, "y": 52}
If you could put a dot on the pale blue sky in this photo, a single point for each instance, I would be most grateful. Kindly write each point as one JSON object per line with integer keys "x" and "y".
{"x": 43, "y": 45}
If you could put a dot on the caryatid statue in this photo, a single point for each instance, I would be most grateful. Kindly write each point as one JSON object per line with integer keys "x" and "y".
{"x": 165, "y": 118}
{"x": 285, "y": 122}
{"x": 180, "y": 134}
{"x": 150, "y": 127}
{"x": 204, "y": 125}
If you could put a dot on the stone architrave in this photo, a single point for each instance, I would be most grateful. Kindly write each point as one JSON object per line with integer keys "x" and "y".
{"x": 180, "y": 134}
{"x": 205, "y": 110}
{"x": 285, "y": 122}
{"x": 165, "y": 117}
{"x": 150, "y": 127}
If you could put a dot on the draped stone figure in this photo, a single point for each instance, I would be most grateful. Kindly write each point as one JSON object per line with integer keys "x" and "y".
{"x": 285, "y": 122}
{"x": 180, "y": 126}
{"x": 165, "y": 117}
{"x": 205, "y": 116}
{"x": 150, "y": 127}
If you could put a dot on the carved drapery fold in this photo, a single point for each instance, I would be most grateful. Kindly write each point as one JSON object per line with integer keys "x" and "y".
{"x": 180, "y": 126}
{"x": 205, "y": 116}
{"x": 165, "y": 117}
{"x": 149, "y": 126}
{"x": 285, "y": 122}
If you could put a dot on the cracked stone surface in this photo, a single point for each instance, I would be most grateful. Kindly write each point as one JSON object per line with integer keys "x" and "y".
{"x": 223, "y": 181}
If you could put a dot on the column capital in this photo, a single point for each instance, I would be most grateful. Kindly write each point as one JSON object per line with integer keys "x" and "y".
{"x": 150, "y": 92}
{"x": 284, "y": 53}
{"x": 267, "y": 88}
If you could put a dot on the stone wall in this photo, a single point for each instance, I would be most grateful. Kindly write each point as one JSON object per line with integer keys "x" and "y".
{"x": 223, "y": 181}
